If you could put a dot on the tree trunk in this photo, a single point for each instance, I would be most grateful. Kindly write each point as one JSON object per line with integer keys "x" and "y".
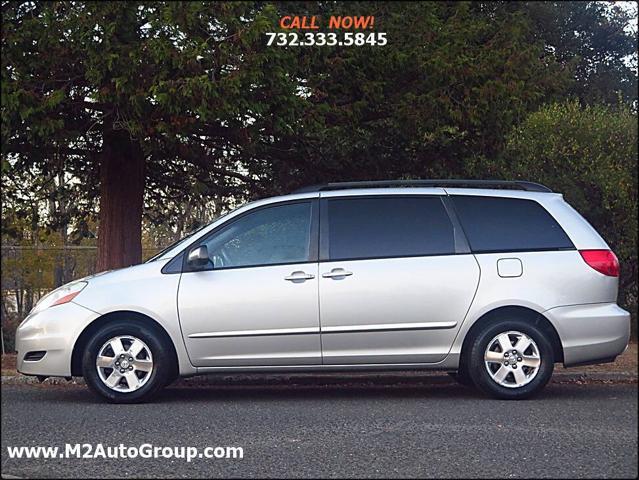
{"x": 121, "y": 201}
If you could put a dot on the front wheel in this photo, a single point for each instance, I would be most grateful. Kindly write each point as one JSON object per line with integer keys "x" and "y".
{"x": 511, "y": 359}
{"x": 127, "y": 362}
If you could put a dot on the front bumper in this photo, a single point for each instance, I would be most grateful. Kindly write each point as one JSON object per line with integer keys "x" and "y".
{"x": 53, "y": 330}
{"x": 591, "y": 333}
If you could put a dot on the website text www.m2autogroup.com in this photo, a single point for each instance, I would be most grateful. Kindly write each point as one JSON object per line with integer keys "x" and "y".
{"x": 146, "y": 450}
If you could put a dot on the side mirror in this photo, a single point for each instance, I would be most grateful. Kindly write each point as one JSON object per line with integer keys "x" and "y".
{"x": 198, "y": 257}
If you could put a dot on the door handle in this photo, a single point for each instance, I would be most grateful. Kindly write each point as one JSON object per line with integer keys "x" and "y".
{"x": 299, "y": 276}
{"x": 337, "y": 273}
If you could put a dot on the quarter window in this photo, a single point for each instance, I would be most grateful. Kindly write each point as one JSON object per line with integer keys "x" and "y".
{"x": 388, "y": 227}
{"x": 494, "y": 224}
{"x": 268, "y": 236}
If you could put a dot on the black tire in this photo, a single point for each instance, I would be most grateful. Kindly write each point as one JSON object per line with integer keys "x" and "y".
{"x": 164, "y": 368}
{"x": 477, "y": 367}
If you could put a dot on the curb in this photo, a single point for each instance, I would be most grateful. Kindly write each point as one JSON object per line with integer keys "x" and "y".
{"x": 327, "y": 379}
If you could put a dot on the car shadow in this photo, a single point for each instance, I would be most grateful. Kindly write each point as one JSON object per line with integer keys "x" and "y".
{"x": 272, "y": 389}
{"x": 346, "y": 390}
{"x": 349, "y": 389}
{"x": 253, "y": 389}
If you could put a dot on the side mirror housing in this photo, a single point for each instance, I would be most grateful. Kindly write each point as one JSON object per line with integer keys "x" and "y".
{"x": 198, "y": 257}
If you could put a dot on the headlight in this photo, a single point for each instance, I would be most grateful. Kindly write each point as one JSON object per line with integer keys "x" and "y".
{"x": 59, "y": 296}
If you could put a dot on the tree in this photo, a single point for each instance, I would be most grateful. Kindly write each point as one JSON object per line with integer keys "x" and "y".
{"x": 153, "y": 105}
{"x": 453, "y": 80}
{"x": 451, "y": 83}
{"x": 597, "y": 39}
{"x": 135, "y": 95}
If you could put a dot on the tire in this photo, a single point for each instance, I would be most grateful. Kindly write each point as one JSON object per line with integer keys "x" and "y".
{"x": 151, "y": 370}
{"x": 519, "y": 379}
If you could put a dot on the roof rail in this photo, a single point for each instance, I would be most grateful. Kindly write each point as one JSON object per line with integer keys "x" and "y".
{"x": 514, "y": 184}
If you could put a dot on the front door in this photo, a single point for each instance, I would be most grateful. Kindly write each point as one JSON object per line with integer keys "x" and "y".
{"x": 257, "y": 304}
{"x": 396, "y": 279}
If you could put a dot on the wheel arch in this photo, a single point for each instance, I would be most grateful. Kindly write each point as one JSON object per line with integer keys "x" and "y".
{"x": 517, "y": 311}
{"x": 99, "y": 322}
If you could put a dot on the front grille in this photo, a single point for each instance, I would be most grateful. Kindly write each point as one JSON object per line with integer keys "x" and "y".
{"x": 34, "y": 356}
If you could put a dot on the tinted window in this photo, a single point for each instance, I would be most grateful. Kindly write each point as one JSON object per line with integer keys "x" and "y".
{"x": 268, "y": 236}
{"x": 388, "y": 227}
{"x": 508, "y": 224}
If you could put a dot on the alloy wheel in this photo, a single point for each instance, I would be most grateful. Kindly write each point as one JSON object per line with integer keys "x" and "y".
{"x": 124, "y": 363}
{"x": 512, "y": 359}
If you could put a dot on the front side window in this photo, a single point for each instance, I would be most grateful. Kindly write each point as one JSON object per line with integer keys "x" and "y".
{"x": 495, "y": 224}
{"x": 388, "y": 227}
{"x": 268, "y": 236}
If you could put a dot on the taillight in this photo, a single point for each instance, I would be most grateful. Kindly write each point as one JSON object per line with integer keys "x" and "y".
{"x": 604, "y": 261}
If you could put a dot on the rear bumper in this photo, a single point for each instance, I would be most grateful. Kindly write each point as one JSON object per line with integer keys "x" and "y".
{"x": 592, "y": 333}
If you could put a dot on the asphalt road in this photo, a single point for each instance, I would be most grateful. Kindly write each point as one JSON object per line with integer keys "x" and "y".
{"x": 347, "y": 430}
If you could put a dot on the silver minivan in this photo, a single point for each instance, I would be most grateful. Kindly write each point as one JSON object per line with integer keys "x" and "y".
{"x": 493, "y": 282}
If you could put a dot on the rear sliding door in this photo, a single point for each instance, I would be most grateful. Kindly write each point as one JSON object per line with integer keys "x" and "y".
{"x": 395, "y": 279}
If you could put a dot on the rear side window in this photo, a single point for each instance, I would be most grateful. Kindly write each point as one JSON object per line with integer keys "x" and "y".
{"x": 495, "y": 224}
{"x": 388, "y": 227}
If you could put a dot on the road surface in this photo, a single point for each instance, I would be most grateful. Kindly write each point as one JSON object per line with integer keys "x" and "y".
{"x": 333, "y": 430}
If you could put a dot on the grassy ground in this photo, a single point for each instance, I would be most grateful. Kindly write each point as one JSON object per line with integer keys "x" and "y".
{"x": 627, "y": 362}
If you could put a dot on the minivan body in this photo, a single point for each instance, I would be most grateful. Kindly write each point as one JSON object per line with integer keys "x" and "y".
{"x": 492, "y": 285}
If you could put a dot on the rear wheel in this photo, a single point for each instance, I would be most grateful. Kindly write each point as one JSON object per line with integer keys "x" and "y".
{"x": 511, "y": 359}
{"x": 127, "y": 362}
